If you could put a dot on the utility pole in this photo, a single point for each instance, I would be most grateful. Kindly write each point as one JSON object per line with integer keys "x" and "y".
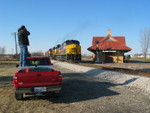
{"x": 14, "y": 33}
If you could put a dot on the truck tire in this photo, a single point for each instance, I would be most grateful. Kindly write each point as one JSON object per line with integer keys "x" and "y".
{"x": 56, "y": 95}
{"x": 48, "y": 95}
{"x": 19, "y": 96}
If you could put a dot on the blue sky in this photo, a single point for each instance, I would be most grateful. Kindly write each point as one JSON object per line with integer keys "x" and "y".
{"x": 51, "y": 22}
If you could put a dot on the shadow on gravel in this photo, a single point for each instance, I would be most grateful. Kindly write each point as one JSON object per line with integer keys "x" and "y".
{"x": 127, "y": 82}
{"x": 94, "y": 72}
{"x": 81, "y": 87}
{"x": 76, "y": 89}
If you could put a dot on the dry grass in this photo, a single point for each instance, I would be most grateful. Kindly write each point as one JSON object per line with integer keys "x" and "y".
{"x": 8, "y": 103}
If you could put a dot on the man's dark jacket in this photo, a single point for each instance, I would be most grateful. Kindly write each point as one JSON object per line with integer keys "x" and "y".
{"x": 23, "y": 37}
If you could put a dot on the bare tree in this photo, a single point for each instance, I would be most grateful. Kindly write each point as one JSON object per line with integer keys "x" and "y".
{"x": 145, "y": 41}
{"x": 2, "y": 50}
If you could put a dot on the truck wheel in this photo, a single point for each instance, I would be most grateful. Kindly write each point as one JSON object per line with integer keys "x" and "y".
{"x": 19, "y": 96}
{"x": 56, "y": 95}
{"x": 48, "y": 95}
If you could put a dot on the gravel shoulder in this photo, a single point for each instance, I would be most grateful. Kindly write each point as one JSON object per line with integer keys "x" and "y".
{"x": 129, "y": 80}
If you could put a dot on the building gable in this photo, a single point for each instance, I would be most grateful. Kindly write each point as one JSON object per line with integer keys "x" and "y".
{"x": 109, "y": 38}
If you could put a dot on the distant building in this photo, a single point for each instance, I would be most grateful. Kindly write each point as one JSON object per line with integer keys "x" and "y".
{"x": 140, "y": 56}
{"x": 109, "y": 49}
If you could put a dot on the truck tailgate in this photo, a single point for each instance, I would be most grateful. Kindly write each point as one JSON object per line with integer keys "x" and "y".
{"x": 38, "y": 77}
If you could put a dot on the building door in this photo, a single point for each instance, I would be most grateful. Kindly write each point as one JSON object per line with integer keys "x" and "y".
{"x": 108, "y": 57}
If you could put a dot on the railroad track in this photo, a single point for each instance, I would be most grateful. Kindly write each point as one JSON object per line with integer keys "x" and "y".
{"x": 118, "y": 69}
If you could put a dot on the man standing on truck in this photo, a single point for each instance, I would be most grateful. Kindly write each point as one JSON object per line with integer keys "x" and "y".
{"x": 23, "y": 44}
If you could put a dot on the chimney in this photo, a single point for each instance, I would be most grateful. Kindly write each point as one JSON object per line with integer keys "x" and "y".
{"x": 109, "y": 32}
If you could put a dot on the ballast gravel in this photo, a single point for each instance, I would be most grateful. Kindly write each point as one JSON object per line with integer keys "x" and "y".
{"x": 138, "y": 82}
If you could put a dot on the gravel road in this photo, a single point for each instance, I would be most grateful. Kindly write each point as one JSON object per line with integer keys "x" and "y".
{"x": 82, "y": 93}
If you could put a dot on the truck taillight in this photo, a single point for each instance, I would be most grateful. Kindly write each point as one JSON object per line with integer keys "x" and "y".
{"x": 27, "y": 70}
{"x": 60, "y": 78}
{"x": 60, "y": 75}
{"x": 15, "y": 80}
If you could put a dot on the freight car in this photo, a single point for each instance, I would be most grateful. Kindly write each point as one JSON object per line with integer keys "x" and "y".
{"x": 69, "y": 51}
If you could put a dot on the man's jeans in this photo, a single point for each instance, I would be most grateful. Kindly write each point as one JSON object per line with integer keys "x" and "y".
{"x": 23, "y": 54}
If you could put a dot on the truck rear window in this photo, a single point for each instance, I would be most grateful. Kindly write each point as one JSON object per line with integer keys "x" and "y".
{"x": 37, "y": 69}
{"x": 33, "y": 62}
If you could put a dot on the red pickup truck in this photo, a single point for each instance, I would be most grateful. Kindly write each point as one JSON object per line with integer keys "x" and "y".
{"x": 37, "y": 78}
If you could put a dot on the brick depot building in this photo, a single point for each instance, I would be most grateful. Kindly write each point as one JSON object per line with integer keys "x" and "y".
{"x": 109, "y": 49}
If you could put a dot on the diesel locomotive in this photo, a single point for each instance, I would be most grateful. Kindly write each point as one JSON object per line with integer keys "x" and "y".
{"x": 70, "y": 50}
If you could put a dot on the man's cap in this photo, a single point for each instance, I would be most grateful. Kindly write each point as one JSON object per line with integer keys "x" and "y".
{"x": 23, "y": 26}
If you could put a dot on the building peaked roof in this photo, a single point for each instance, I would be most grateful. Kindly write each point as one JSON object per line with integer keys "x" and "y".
{"x": 109, "y": 43}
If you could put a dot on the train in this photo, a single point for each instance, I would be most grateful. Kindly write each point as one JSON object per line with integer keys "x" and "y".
{"x": 69, "y": 51}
